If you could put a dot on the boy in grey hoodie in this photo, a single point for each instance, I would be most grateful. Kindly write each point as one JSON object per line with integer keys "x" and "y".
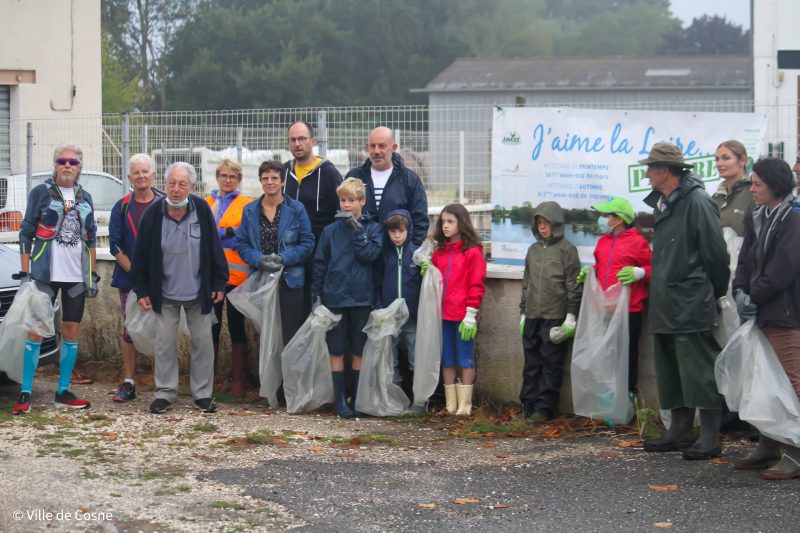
{"x": 550, "y": 301}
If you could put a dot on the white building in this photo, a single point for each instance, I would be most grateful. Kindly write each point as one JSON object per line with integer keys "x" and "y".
{"x": 776, "y": 72}
{"x": 49, "y": 71}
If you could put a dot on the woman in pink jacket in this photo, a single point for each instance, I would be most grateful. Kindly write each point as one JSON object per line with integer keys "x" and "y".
{"x": 459, "y": 257}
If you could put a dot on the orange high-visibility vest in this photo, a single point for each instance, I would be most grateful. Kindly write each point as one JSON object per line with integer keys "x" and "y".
{"x": 232, "y": 217}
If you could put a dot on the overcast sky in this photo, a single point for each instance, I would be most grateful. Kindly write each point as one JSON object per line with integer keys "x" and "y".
{"x": 736, "y": 11}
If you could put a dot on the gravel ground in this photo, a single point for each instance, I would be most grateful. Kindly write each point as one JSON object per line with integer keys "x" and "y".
{"x": 119, "y": 468}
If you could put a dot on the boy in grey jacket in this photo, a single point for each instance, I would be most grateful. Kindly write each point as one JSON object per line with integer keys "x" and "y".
{"x": 550, "y": 301}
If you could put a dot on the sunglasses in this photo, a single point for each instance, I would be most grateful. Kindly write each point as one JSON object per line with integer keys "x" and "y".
{"x": 64, "y": 160}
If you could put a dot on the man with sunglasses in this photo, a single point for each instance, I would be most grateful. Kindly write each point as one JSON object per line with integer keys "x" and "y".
{"x": 57, "y": 252}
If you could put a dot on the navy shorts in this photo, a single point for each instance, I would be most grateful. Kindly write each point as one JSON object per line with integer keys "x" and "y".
{"x": 455, "y": 352}
{"x": 347, "y": 333}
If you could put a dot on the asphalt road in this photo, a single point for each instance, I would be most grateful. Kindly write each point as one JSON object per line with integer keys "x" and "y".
{"x": 601, "y": 489}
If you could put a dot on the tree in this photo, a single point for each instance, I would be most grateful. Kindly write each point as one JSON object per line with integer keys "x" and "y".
{"x": 140, "y": 33}
{"x": 707, "y": 35}
{"x": 120, "y": 93}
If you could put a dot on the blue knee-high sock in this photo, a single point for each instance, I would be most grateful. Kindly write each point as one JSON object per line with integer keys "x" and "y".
{"x": 69, "y": 354}
{"x": 30, "y": 361}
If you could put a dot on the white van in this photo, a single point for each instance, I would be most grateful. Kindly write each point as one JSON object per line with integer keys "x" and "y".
{"x": 104, "y": 188}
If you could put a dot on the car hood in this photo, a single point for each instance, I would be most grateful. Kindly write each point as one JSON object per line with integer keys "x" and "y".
{"x": 9, "y": 264}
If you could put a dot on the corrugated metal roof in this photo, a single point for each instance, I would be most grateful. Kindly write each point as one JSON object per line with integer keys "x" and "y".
{"x": 594, "y": 73}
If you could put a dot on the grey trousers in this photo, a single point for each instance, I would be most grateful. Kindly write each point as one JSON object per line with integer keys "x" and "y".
{"x": 201, "y": 364}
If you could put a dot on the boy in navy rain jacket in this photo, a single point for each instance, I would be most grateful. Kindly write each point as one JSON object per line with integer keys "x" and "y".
{"x": 344, "y": 282}
{"x": 400, "y": 278}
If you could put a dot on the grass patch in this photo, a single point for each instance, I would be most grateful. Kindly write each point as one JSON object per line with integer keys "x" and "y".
{"x": 184, "y": 488}
{"x": 371, "y": 438}
{"x": 154, "y": 434}
{"x": 482, "y": 426}
{"x": 165, "y": 491}
{"x": 98, "y": 416}
{"x": 219, "y": 504}
{"x": 75, "y": 453}
{"x": 115, "y": 494}
{"x": 150, "y": 475}
{"x": 262, "y": 436}
{"x": 89, "y": 475}
{"x": 205, "y": 426}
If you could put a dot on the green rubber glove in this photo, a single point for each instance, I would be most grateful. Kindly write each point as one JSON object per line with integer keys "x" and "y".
{"x": 628, "y": 275}
{"x": 521, "y": 325}
{"x": 424, "y": 267}
{"x": 582, "y": 274}
{"x": 569, "y": 325}
{"x": 469, "y": 326}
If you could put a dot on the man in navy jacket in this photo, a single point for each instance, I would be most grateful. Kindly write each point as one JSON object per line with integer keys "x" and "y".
{"x": 390, "y": 184}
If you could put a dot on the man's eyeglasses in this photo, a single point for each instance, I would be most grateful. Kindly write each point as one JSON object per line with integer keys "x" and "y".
{"x": 293, "y": 140}
{"x": 64, "y": 160}
{"x": 228, "y": 177}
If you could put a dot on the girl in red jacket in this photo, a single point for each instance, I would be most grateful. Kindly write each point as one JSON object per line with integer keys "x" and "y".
{"x": 623, "y": 255}
{"x": 459, "y": 257}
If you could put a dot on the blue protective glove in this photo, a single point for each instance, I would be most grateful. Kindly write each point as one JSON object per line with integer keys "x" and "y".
{"x": 744, "y": 305}
{"x": 469, "y": 326}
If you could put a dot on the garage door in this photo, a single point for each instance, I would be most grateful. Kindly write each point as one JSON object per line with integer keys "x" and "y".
{"x": 5, "y": 130}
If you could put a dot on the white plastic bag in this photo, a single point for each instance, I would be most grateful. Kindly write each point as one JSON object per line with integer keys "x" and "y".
{"x": 141, "y": 325}
{"x": 728, "y": 316}
{"x": 428, "y": 344}
{"x": 307, "y": 381}
{"x": 599, "y": 369}
{"x": 31, "y": 311}
{"x": 378, "y": 395}
{"x": 754, "y": 383}
{"x": 257, "y": 299}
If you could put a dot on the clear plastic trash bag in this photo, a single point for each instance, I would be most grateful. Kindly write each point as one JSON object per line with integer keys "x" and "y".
{"x": 142, "y": 325}
{"x": 754, "y": 383}
{"x": 428, "y": 344}
{"x": 257, "y": 299}
{"x": 599, "y": 370}
{"x": 31, "y": 311}
{"x": 378, "y": 395}
{"x": 728, "y": 316}
{"x": 307, "y": 381}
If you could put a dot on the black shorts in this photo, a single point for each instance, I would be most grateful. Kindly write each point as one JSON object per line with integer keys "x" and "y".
{"x": 71, "y": 304}
{"x": 347, "y": 333}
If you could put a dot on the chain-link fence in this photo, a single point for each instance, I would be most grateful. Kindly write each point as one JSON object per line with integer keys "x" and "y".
{"x": 448, "y": 146}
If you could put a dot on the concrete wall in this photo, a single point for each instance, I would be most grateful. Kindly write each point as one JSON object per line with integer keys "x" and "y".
{"x": 50, "y": 57}
{"x": 777, "y": 91}
{"x": 499, "y": 348}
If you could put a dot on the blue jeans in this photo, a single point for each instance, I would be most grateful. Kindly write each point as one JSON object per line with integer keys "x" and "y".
{"x": 409, "y": 333}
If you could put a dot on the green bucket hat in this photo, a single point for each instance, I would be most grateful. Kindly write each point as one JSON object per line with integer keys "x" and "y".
{"x": 666, "y": 154}
{"x": 617, "y": 206}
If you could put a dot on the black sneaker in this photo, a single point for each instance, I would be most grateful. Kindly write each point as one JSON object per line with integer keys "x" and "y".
{"x": 125, "y": 393}
{"x": 206, "y": 405}
{"x": 23, "y": 404}
{"x": 159, "y": 405}
{"x": 67, "y": 400}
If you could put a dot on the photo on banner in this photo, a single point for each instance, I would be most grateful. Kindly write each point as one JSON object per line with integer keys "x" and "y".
{"x": 582, "y": 157}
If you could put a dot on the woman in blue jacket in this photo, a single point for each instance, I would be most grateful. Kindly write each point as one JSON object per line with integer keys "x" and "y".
{"x": 276, "y": 232}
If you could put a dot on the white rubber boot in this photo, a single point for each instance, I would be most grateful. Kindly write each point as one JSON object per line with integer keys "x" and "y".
{"x": 464, "y": 394}
{"x": 450, "y": 398}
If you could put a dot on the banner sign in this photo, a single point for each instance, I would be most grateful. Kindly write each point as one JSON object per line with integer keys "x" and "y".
{"x": 582, "y": 157}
